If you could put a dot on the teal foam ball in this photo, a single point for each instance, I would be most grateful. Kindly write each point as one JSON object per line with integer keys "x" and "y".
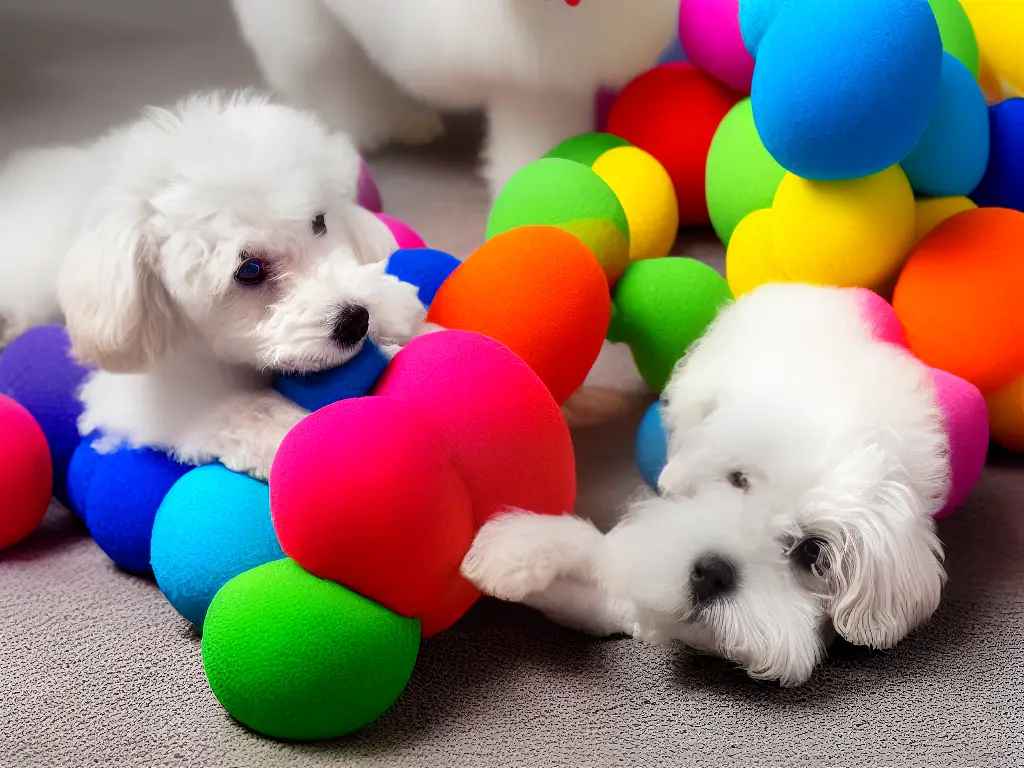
{"x": 1003, "y": 183}
{"x": 213, "y": 525}
{"x": 951, "y": 157}
{"x": 651, "y": 445}
{"x": 846, "y": 89}
{"x": 355, "y": 378}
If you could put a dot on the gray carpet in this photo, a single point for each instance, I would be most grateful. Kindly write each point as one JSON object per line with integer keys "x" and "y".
{"x": 97, "y": 669}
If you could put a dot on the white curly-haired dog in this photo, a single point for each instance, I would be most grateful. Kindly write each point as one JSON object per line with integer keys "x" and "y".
{"x": 378, "y": 69}
{"x": 805, "y": 462}
{"x": 194, "y": 253}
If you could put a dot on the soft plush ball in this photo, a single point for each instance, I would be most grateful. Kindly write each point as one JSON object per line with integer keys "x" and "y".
{"x": 212, "y": 525}
{"x": 932, "y": 211}
{"x": 957, "y": 33}
{"x": 710, "y": 33}
{"x": 750, "y": 260}
{"x": 672, "y": 112}
{"x": 755, "y": 16}
{"x": 405, "y": 236}
{"x": 880, "y": 317}
{"x": 537, "y": 290}
{"x": 352, "y": 379}
{"x": 952, "y": 154}
{"x": 37, "y": 370}
{"x": 741, "y": 176}
{"x": 1006, "y": 415}
{"x": 585, "y": 148}
{"x": 651, "y": 445}
{"x": 966, "y": 418}
{"x": 26, "y": 473}
{"x": 367, "y": 193}
{"x": 296, "y": 657}
{"x": 1003, "y": 183}
{"x": 426, "y": 268}
{"x": 568, "y": 195}
{"x": 844, "y": 233}
{"x": 997, "y": 27}
{"x": 960, "y": 295}
{"x": 846, "y": 89}
{"x": 661, "y": 306}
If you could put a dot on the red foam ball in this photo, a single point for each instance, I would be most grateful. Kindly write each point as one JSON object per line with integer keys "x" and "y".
{"x": 26, "y": 473}
{"x": 672, "y": 112}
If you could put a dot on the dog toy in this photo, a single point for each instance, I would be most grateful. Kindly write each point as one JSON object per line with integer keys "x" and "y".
{"x": 353, "y": 379}
{"x": 522, "y": 286}
{"x": 426, "y": 268}
{"x": 570, "y": 196}
{"x": 1003, "y": 183}
{"x": 709, "y": 31}
{"x": 367, "y": 193}
{"x": 1006, "y": 415}
{"x": 997, "y": 26}
{"x": 932, "y": 211}
{"x": 26, "y": 473}
{"x": 651, "y": 451}
{"x": 957, "y": 34}
{"x": 750, "y": 259}
{"x": 405, "y": 236}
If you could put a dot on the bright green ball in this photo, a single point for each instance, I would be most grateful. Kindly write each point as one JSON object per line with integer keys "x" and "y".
{"x": 587, "y": 147}
{"x": 957, "y": 33}
{"x": 293, "y": 656}
{"x": 570, "y": 196}
{"x": 660, "y": 307}
{"x": 740, "y": 176}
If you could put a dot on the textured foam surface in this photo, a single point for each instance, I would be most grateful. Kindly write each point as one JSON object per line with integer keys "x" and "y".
{"x": 296, "y": 657}
{"x": 651, "y": 445}
{"x": 997, "y": 25}
{"x": 353, "y": 379}
{"x": 212, "y": 525}
{"x": 755, "y": 17}
{"x": 1003, "y": 182}
{"x": 751, "y": 260}
{"x": 957, "y": 33}
{"x": 405, "y": 236}
{"x": 710, "y": 33}
{"x": 1006, "y": 415}
{"x": 932, "y": 211}
{"x": 587, "y": 147}
{"x": 426, "y": 268}
{"x": 966, "y": 418}
{"x": 26, "y": 473}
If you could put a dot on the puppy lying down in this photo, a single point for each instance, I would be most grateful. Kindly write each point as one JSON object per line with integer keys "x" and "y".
{"x": 805, "y": 462}
{"x": 193, "y": 253}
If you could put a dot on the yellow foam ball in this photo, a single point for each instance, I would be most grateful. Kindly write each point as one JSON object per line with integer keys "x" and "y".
{"x": 997, "y": 27}
{"x": 750, "y": 259}
{"x": 851, "y": 233}
{"x": 932, "y": 211}
{"x": 1006, "y": 416}
{"x": 645, "y": 191}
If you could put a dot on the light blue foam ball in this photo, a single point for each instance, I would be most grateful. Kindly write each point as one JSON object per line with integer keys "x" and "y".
{"x": 846, "y": 89}
{"x": 651, "y": 445}
{"x": 951, "y": 157}
{"x": 755, "y": 18}
{"x": 212, "y": 525}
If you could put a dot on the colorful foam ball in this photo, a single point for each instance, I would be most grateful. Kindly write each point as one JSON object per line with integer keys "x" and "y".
{"x": 1002, "y": 185}
{"x": 932, "y": 211}
{"x": 585, "y": 148}
{"x": 367, "y": 192}
{"x": 212, "y": 525}
{"x": 426, "y": 268}
{"x": 537, "y": 290}
{"x": 960, "y": 294}
{"x": 755, "y": 17}
{"x": 710, "y": 33}
{"x": 405, "y": 236}
{"x": 293, "y": 656}
{"x": 1006, "y": 415}
{"x": 750, "y": 259}
{"x": 26, "y": 473}
{"x": 965, "y": 416}
{"x": 37, "y": 370}
{"x": 844, "y": 233}
{"x": 354, "y": 378}
{"x": 568, "y": 195}
{"x": 817, "y": 96}
{"x": 651, "y": 449}
{"x": 997, "y": 27}
{"x": 952, "y": 154}
{"x": 672, "y": 112}
{"x": 957, "y": 33}
{"x": 661, "y": 306}
{"x": 880, "y": 317}
{"x": 741, "y": 175}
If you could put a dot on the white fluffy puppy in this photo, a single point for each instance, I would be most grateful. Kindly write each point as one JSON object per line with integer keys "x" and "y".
{"x": 379, "y": 69}
{"x": 806, "y": 460}
{"x": 196, "y": 252}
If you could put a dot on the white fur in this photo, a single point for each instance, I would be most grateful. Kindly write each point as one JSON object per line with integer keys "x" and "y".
{"x": 136, "y": 239}
{"x": 380, "y": 69}
{"x": 839, "y": 438}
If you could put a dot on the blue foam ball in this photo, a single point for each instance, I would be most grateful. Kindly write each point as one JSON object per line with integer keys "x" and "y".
{"x": 651, "y": 446}
{"x": 213, "y": 525}
{"x": 846, "y": 89}
{"x": 1003, "y": 183}
{"x": 353, "y": 379}
{"x": 426, "y": 268}
{"x": 755, "y": 18}
{"x": 81, "y": 469}
{"x": 952, "y": 155}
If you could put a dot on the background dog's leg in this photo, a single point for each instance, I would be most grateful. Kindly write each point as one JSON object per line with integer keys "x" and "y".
{"x": 585, "y": 607}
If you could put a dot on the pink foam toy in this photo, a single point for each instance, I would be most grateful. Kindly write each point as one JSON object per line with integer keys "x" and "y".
{"x": 880, "y": 315}
{"x": 405, "y": 236}
{"x": 710, "y": 33}
{"x": 367, "y": 192}
{"x": 966, "y": 416}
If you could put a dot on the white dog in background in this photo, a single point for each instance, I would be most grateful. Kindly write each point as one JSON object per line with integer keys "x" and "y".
{"x": 805, "y": 463}
{"x": 379, "y": 69}
{"x": 196, "y": 252}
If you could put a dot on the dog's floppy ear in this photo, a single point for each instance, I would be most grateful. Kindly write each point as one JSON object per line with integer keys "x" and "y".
{"x": 119, "y": 315}
{"x": 370, "y": 238}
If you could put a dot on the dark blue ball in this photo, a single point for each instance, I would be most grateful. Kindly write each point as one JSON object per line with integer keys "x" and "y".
{"x": 425, "y": 268}
{"x": 651, "y": 446}
{"x": 353, "y": 379}
{"x": 1002, "y": 186}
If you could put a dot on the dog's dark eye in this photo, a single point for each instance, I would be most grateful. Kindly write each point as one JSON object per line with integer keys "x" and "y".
{"x": 319, "y": 225}
{"x": 739, "y": 480}
{"x": 252, "y": 271}
{"x": 807, "y": 553}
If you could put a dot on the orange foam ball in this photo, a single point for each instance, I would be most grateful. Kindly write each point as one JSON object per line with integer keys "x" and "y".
{"x": 960, "y": 297}
{"x": 1006, "y": 416}
{"x": 540, "y": 292}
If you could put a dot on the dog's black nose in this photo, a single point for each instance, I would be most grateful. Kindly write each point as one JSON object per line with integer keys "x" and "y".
{"x": 350, "y": 325}
{"x": 711, "y": 576}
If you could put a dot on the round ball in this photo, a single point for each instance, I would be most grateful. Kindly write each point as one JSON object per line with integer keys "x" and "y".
{"x": 367, "y": 192}
{"x": 844, "y": 233}
{"x": 741, "y": 176}
{"x": 709, "y": 31}
{"x": 405, "y": 236}
{"x": 661, "y": 307}
{"x": 1003, "y": 183}
{"x": 672, "y": 112}
{"x": 932, "y": 211}
{"x": 651, "y": 446}
{"x": 292, "y": 656}
{"x": 952, "y": 155}
{"x": 553, "y": 310}
{"x": 755, "y": 16}
{"x": 355, "y": 378}
{"x": 585, "y": 148}
{"x": 966, "y": 419}
{"x": 957, "y": 33}
{"x": 426, "y": 268}
{"x": 26, "y": 473}
{"x": 816, "y": 94}
{"x": 880, "y": 317}
{"x": 750, "y": 260}
{"x": 1006, "y": 416}
{"x": 960, "y": 294}
{"x": 565, "y": 194}
{"x": 212, "y": 525}
{"x": 997, "y": 27}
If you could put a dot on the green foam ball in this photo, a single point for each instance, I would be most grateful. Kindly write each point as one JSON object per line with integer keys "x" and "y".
{"x": 587, "y": 147}
{"x": 957, "y": 33}
{"x": 740, "y": 176}
{"x": 293, "y": 656}
{"x": 568, "y": 195}
{"x": 662, "y": 306}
